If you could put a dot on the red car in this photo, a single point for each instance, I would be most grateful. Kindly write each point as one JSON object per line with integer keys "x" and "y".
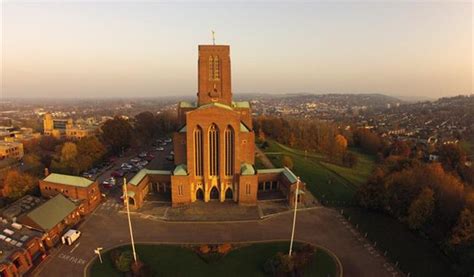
{"x": 118, "y": 173}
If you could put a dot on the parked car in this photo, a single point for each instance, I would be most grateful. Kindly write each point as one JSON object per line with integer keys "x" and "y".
{"x": 118, "y": 173}
{"x": 135, "y": 160}
{"x": 159, "y": 148}
{"x": 170, "y": 158}
{"x": 163, "y": 144}
{"x": 142, "y": 155}
{"x": 172, "y": 152}
{"x": 70, "y": 236}
{"x": 149, "y": 158}
{"x": 126, "y": 166}
{"x": 168, "y": 140}
{"x": 87, "y": 175}
{"x": 109, "y": 182}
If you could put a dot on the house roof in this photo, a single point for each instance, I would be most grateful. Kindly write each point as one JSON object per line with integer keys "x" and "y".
{"x": 52, "y": 212}
{"x": 142, "y": 173}
{"x": 181, "y": 170}
{"x": 69, "y": 180}
{"x": 247, "y": 169}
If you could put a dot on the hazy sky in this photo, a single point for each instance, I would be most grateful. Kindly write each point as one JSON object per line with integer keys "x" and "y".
{"x": 117, "y": 49}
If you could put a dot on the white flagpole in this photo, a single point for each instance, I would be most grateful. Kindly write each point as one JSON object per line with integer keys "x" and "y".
{"x": 294, "y": 217}
{"x": 129, "y": 221}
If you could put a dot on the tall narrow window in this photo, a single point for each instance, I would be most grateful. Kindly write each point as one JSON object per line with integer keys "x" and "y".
{"x": 211, "y": 67}
{"x": 214, "y": 68}
{"x": 229, "y": 151}
{"x": 213, "y": 150}
{"x": 198, "y": 161}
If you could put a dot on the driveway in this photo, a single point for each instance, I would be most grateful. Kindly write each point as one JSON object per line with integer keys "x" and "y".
{"x": 322, "y": 226}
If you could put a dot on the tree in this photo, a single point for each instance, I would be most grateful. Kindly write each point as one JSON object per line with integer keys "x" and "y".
{"x": 16, "y": 184}
{"x": 68, "y": 152}
{"x": 350, "y": 159}
{"x": 421, "y": 209}
{"x": 117, "y": 133}
{"x": 463, "y": 232}
{"x": 146, "y": 126}
{"x": 92, "y": 148}
{"x": 288, "y": 162}
{"x": 33, "y": 164}
{"x": 452, "y": 156}
{"x": 123, "y": 261}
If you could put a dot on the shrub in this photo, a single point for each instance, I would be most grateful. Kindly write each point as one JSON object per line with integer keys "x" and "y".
{"x": 124, "y": 261}
{"x": 224, "y": 248}
{"x": 204, "y": 249}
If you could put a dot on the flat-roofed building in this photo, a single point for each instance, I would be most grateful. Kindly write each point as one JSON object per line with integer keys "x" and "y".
{"x": 77, "y": 133}
{"x": 80, "y": 189}
{"x": 20, "y": 249}
{"x": 11, "y": 150}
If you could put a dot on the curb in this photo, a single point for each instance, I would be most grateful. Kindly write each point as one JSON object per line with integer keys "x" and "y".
{"x": 339, "y": 267}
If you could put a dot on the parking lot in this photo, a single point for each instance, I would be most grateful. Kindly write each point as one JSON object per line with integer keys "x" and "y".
{"x": 151, "y": 157}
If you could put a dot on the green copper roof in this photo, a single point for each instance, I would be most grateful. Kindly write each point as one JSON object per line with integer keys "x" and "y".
{"x": 247, "y": 169}
{"x": 244, "y": 128}
{"x": 285, "y": 171}
{"x": 270, "y": 170}
{"x": 220, "y": 105}
{"x": 242, "y": 104}
{"x": 290, "y": 175}
{"x": 52, "y": 212}
{"x": 142, "y": 173}
{"x": 181, "y": 170}
{"x": 183, "y": 130}
{"x": 130, "y": 193}
{"x": 185, "y": 104}
{"x": 69, "y": 180}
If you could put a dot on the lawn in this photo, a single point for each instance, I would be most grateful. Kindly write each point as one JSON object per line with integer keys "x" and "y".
{"x": 325, "y": 180}
{"x": 173, "y": 260}
{"x": 467, "y": 146}
{"x": 415, "y": 254}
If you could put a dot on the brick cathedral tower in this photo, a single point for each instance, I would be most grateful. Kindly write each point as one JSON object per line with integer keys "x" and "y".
{"x": 214, "y": 84}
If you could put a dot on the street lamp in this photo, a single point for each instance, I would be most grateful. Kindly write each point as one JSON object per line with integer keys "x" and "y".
{"x": 294, "y": 216}
{"x": 97, "y": 251}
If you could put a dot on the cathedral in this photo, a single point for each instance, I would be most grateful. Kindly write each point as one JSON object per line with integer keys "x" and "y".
{"x": 214, "y": 147}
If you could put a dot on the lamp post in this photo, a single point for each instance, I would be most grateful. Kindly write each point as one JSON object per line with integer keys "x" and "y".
{"x": 129, "y": 220}
{"x": 294, "y": 216}
{"x": 97, "y": 251}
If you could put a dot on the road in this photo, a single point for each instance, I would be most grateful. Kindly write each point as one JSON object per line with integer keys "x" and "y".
{"x": 106, "y": 228}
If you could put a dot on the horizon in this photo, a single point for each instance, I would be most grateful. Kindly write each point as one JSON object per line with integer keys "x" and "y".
{"x": 117, "y": 50}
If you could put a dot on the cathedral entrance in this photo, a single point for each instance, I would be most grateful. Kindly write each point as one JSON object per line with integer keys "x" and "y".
{"x": 199, "y": 195}
{"x": 228, "y": 194}
{"x": 214, "y": 194}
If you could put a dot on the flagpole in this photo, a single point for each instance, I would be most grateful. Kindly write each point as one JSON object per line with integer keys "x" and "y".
{"x": 294, "y": 217}
{"x": 129, "y": 220}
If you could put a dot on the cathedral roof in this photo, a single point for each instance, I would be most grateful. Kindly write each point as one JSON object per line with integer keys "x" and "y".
{"x": 181, "y": 170}
{"x": 247, "y": 169}
{"x": 144, "y": 172}
{"x": 217, "y": 104}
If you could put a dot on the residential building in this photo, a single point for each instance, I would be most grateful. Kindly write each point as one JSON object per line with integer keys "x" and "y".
{"x": 11, "y": 150}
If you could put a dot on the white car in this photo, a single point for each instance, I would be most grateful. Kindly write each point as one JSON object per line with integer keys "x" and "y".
{"x": 142, "y": 155}
{"x": 110, "y": 181}
{"x": 126, "y": 166}
{"x": 135, "y": 160}
{"x": 70, "y": 237}
{"x": 159, "y": 148}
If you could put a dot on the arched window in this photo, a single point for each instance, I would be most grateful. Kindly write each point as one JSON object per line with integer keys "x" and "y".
{"x": 229, "y": 151}
{"x": 213, "y": 150}
{"x": 198, "y": 161}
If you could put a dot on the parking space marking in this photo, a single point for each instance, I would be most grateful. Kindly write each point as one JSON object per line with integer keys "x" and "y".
{"x": 74, "y": 248}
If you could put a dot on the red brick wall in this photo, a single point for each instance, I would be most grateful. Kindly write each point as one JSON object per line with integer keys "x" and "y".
{"x": 91, "y": 195}
{"x": 180, "y": 190}
{"x": 248, "y": 190}
{"x": 223, "y": 85}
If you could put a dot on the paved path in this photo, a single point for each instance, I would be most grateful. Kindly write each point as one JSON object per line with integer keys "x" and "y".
{"x": 322, "y": 226}
{"x": 263, "y": 158}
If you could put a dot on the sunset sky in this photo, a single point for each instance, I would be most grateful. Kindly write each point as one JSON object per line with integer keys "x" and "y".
{"x": 124, "y": 49}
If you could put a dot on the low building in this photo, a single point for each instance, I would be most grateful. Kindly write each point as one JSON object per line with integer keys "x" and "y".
{"x": 79, "y": 189}
{"x": 11, "y": 150}
{"x": 76, "y": 133}
{"x": 52, "y": 218}
{"x": 20, "y": 249}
